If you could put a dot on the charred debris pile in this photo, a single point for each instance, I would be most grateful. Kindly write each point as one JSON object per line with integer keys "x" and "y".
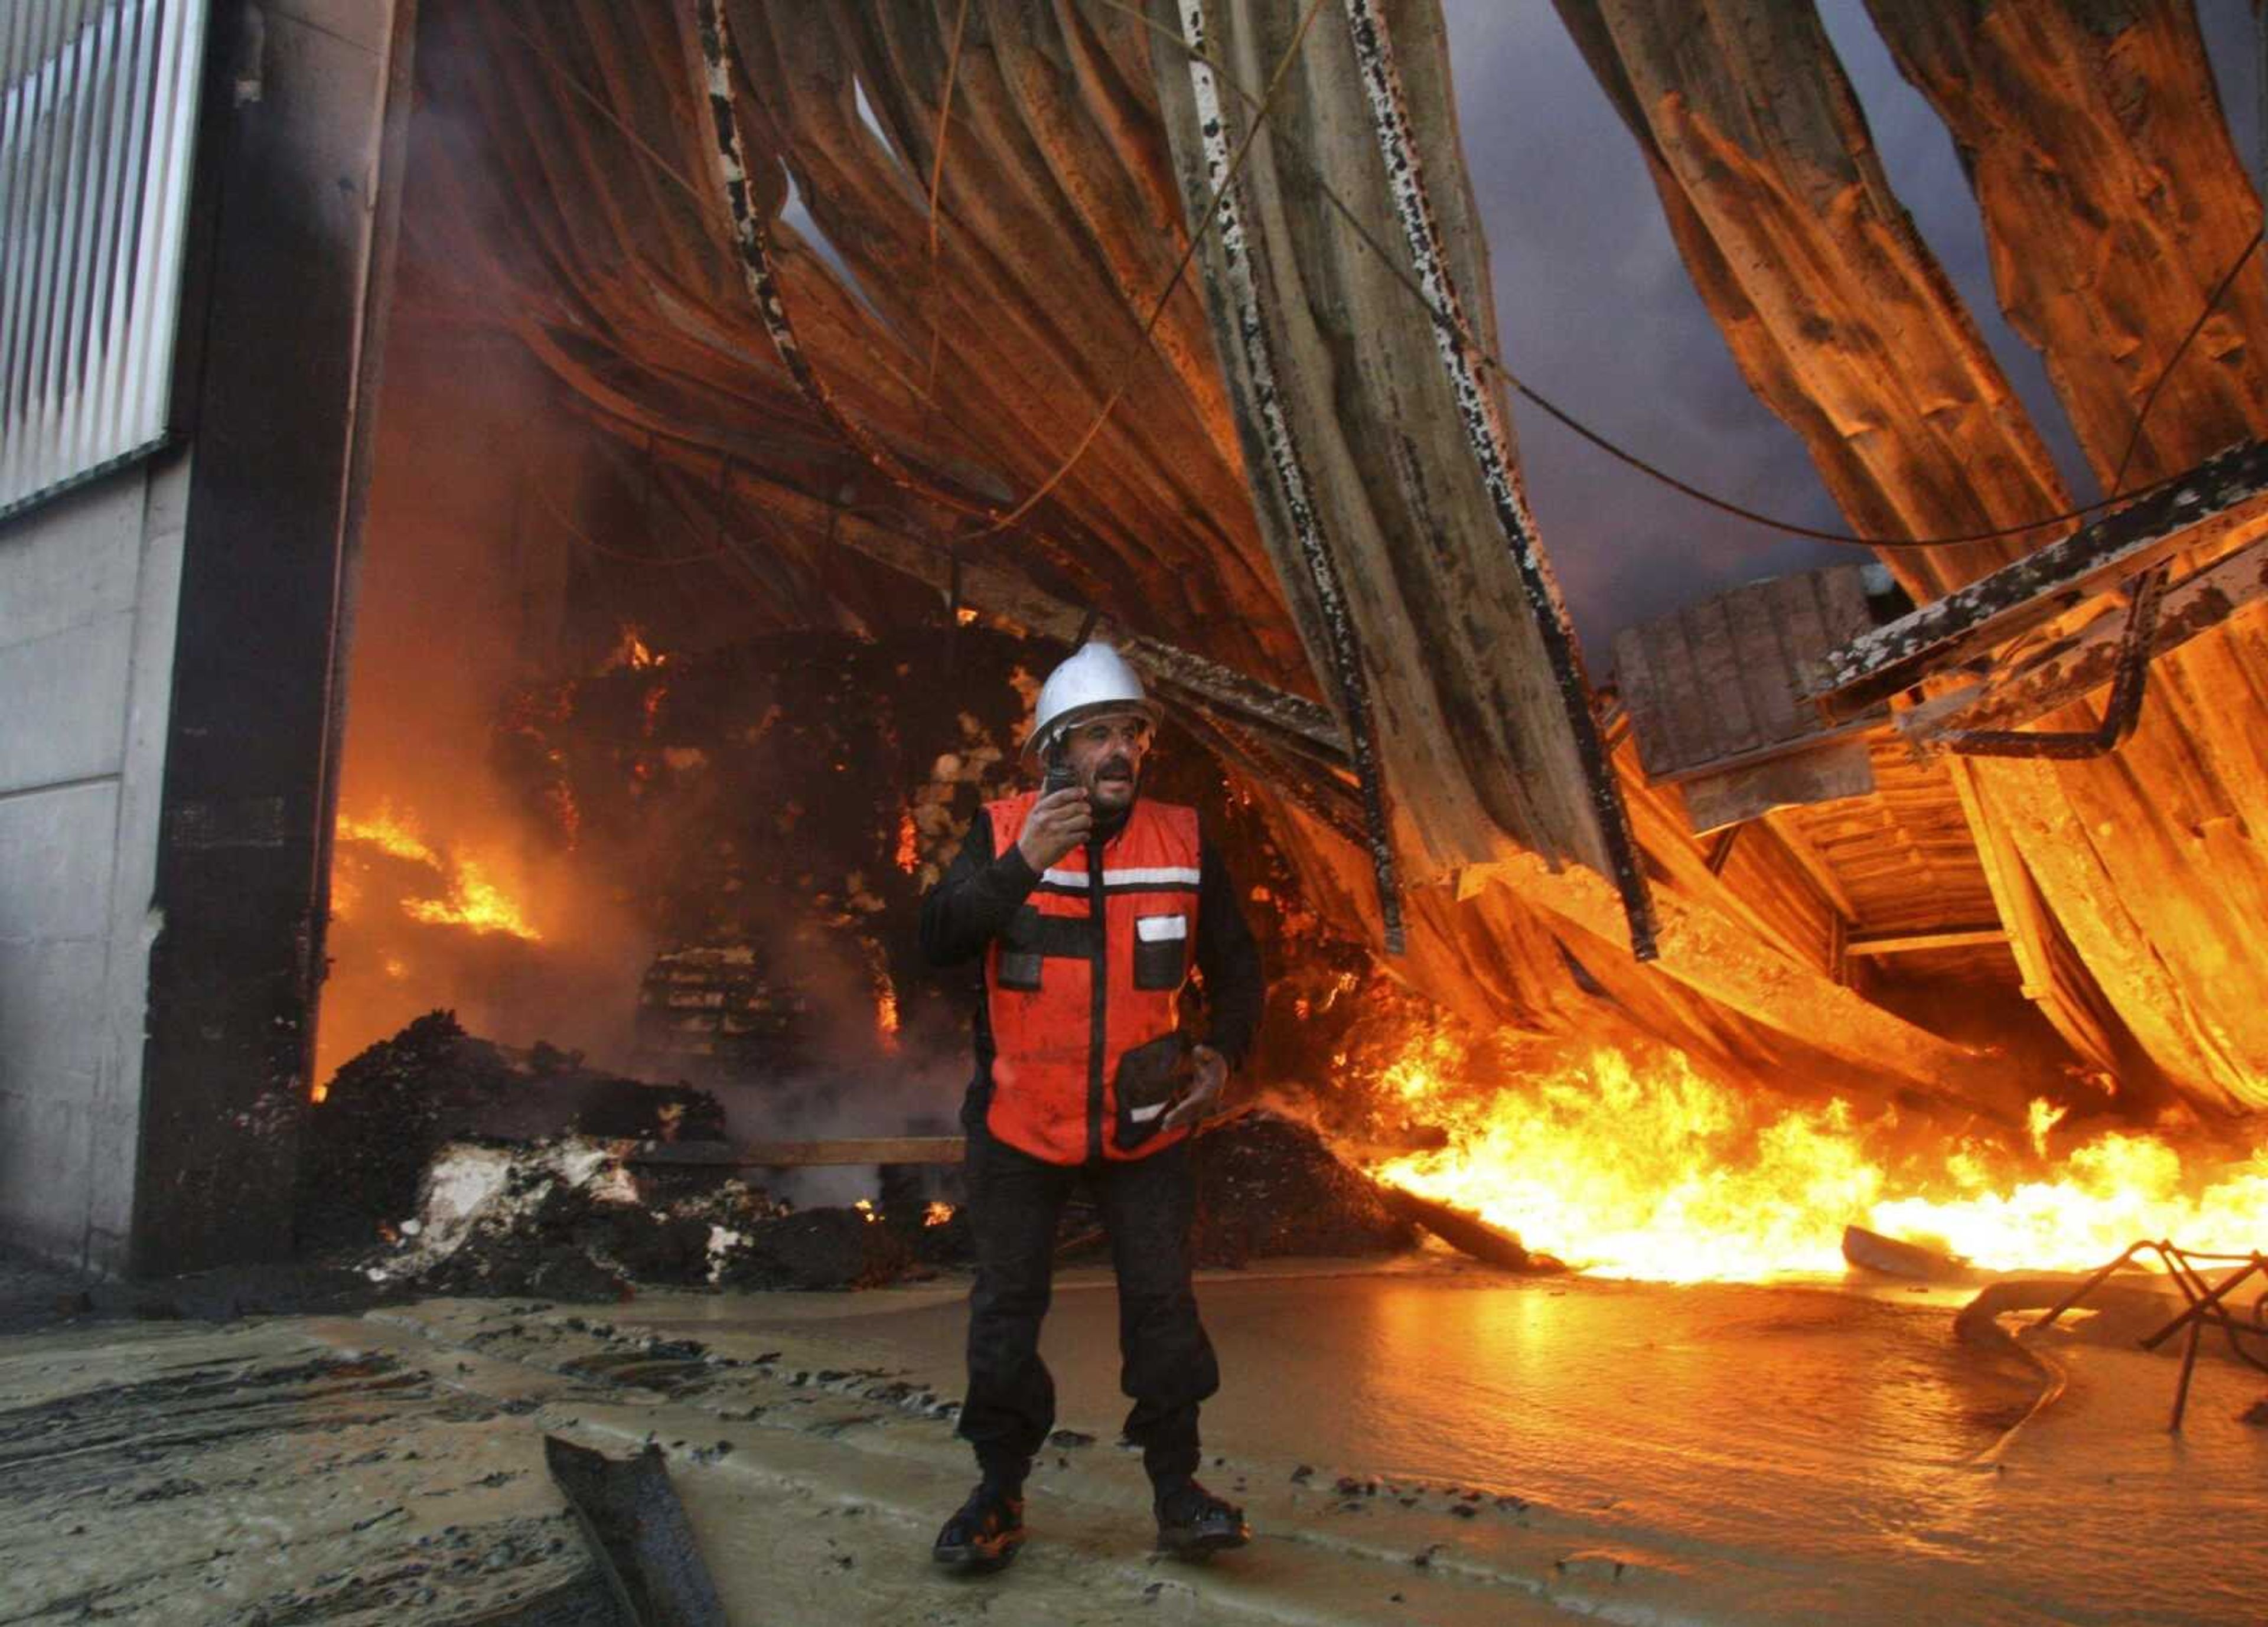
{"x": 444, "y": 1163}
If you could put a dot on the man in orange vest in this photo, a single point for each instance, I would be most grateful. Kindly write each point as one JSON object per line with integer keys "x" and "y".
{"x": 1089, "y": 907}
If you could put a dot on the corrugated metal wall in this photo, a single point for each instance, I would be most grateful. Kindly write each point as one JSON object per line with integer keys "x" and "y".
{"x": 96, "y": 132}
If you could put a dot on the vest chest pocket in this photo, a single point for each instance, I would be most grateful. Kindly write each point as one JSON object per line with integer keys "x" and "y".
{"x": 1020, "y": 951}
{"x": 1162, "y": 945}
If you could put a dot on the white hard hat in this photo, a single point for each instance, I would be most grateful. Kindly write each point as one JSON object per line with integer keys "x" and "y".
{"x": 1095, "y": 682}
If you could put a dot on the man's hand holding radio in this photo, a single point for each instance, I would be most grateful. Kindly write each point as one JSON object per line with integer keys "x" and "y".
{"x": 1058, "y": 822}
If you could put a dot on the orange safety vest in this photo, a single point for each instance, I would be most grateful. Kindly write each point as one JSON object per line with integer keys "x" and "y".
{"x": 1058, "y": 1033}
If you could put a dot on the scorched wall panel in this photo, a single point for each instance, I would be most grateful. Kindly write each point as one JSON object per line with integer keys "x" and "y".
{"x": 88, "y": 586}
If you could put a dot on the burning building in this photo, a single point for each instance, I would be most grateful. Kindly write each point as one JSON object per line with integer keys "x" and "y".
{"x": 767, "y": 395}
{"x": 527, "y": 530}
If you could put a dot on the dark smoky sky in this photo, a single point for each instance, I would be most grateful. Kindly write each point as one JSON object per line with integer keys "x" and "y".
{"x": 1597, "y": 312}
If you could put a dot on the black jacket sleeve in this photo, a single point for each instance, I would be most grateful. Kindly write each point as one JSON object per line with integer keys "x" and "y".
{"x": 1235, "y": 991}
{"x": 975, "y": 898}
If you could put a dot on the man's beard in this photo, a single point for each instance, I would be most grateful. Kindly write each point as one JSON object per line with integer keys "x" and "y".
{"x": 1108, "y": 818}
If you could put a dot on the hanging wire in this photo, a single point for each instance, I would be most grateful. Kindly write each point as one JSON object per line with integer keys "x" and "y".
{"x": 1263, "y": 105}
{"x": 1653, "y": 471}
{"x": 936, "y": 190}
{"x": 559, "y": 518}
{"x": 1141, "y": 345}
{"x": 2134, "y": 439}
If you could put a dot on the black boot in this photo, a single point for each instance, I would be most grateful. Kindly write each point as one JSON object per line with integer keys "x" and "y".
{"x": 1192, "y": 1521}
{"x": 986, "y": 1532}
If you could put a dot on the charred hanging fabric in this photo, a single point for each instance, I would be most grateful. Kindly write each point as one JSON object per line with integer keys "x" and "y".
{"x": 1387, "y": 531}
{"x": 1345, "y": 668}
{"x": 754, "y": 244}
{"x": 1483, "y": 413}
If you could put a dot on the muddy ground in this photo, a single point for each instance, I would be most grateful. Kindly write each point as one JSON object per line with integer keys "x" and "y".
{"x": 1418, "y": 1441}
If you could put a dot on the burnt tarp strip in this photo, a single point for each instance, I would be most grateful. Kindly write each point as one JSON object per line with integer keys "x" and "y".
{"x": 753, "y": 243}
{"x": 1483, "y": 415}
{"x": 639, "y": 1534}
{"x": 1346, "y": 675}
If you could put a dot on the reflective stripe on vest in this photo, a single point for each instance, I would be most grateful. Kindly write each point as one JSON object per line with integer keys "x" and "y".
{"x": 1058, "y": 1035}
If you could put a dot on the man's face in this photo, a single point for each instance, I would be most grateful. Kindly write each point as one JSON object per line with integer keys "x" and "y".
{"x": 1106, "y": 754}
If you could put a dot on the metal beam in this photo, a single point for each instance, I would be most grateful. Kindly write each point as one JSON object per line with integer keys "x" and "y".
{"x": 2076, "y": 666}
{"x": 2227, "y": 493}
{"x": 1334, "y": 617}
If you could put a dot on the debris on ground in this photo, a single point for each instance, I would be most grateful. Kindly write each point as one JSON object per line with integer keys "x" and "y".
{"x": 443, "y": 1163}
{"x": 831, "y": 1247}
{"x": 1469, "y": 1234}
{"x": 1893, "y": 1256}
{"x": 388, "y": 1113}
{"x": 1268, "y": 1185}
{"x": 637, "y": 1533}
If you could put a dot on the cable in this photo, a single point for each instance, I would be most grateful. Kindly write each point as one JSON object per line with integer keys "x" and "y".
{"x": 2166, "y": 372}
{"x": 559, "y": 518}
{"x": 936, "y": 190}
{"x": 1283, "y": 71}
{"x": 1263, "y": 106}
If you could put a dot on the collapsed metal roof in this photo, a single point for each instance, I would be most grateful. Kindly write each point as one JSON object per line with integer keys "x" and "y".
{"x": 949, "y": 343}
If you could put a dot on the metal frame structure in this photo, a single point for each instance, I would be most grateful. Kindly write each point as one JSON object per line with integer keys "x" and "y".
{"x": 2226, "y": 494}
{"x": 98, "y": 120}
{"x": 2207, "y": 1302}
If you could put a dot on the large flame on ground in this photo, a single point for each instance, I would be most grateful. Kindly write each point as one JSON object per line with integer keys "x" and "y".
{"x": 1653, "y": 1171}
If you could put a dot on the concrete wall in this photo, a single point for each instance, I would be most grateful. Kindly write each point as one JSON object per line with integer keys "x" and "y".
{"x": 88, "y": 589}
{"x": 169, "y": 656}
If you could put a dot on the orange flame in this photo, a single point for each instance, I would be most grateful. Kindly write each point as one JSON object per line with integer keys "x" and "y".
{"x": 938, "y": 1213}
{"x": 471, "y": 897}
{"x": 909, "y": 853}
{"x": 391, "y": 832}
{"x": 633, "y": 651}
{"x": 475, "y": 902}
{"x": 1655, "y": 1172}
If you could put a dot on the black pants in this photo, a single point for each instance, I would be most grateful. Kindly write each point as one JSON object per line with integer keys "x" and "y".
{"x": 1167, "y": 1362}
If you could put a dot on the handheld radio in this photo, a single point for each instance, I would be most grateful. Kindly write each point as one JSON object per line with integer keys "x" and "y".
{"x": 1060, "y": 775}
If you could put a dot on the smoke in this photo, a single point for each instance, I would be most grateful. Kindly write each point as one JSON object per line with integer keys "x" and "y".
{"x": 913, "y": 1096}
{"x": 462, "y": 595}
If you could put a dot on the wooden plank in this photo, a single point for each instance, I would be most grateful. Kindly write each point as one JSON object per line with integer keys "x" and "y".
{"x": 2225, "y": 495}
{"x": 1788, "y": 777}
{"x": 803, "y": 1154}
{"x": 1840, "y": 601}
{"x": 1641, "y": 693}
{"x": 1732, "y": 725}
{"x": 1717, "y": 945}
{"x": 1733, "y": 763}
{"x": 2049, "y": 981}
{"x": 1767, "y": 677}
{"x": 1914, "y": 943}
{"x": 1713, "y": 686}
{"x": 1789, "y": 834}
{"x": 2078, "y": 665}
